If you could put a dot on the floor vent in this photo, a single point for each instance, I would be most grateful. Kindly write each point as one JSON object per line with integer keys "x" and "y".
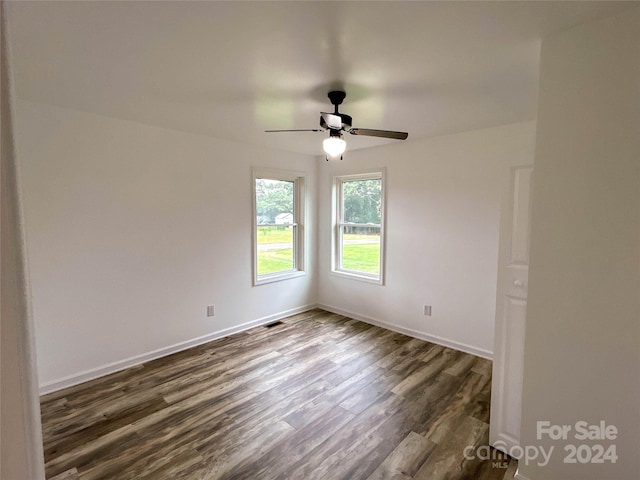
{"x": 274, "y": 324}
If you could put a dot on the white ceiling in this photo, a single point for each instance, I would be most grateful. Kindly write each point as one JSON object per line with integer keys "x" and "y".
{"x": 234, "y": 69}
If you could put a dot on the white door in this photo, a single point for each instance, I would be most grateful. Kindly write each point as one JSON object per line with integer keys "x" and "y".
{"x": 511, "y": 310}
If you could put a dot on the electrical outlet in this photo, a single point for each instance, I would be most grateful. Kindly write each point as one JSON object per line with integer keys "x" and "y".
{"x": 211, "y": 310}
{"x": 427, "y": 310}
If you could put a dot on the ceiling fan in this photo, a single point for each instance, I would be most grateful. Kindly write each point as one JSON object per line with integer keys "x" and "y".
{"x": 336, "y": 123}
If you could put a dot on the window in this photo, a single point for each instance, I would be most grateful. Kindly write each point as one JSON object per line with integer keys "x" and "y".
{"x": 278, "y": 236}
{"x": 359, "y": 226}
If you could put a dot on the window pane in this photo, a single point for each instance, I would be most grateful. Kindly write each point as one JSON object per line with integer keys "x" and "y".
{"x": 275, "y": 248}
{"x": 361, "y": 249}
{"x": 274, "y": 201}
{"x": 279, "y": 218}
{"x": 275, "y": 233}
{"x": 362, "y": 200}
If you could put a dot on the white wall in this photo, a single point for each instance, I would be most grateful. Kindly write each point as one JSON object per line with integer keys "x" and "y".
{"x": 132, "y": 230}
{"x": 21, "y": 455}
{"x": 443, "y": 218}
{"x": 582, "y": 349}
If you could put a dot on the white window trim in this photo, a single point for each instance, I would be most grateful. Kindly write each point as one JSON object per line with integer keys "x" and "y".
{"x": 336, "y": 249}
{"x": 298, "y": 223}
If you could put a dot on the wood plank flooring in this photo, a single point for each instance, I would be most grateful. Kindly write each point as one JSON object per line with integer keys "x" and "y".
{"x": 319, "y": 396}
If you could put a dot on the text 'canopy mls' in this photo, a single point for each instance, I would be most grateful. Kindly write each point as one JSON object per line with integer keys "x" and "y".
{"x": 362, "y": 201}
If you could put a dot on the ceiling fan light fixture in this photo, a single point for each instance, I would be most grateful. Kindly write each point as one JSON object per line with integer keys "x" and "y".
{"x": 334, "y": 146}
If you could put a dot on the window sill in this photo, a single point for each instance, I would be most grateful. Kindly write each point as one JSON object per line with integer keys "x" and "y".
{"x": 277, "y": 277}
{"x": 357, "y": 276}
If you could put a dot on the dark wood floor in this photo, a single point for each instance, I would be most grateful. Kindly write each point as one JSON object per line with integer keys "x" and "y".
{"x": 319, "y": 396}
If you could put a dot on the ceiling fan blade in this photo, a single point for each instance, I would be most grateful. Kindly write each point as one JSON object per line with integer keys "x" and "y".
{"x": 302, "y": 130}
{"x": 329, "y": 120}
{"x": 379, "y": 133}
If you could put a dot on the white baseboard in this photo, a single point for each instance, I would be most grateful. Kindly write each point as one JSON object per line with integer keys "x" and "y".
{"x": 114, "y": 367}
{"x": 480, "y": 352}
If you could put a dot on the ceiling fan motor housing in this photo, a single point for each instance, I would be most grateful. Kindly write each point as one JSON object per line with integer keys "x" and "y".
{"x": 346, "y": 121}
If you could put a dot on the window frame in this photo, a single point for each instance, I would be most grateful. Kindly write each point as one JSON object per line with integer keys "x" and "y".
{"x": 299, "y": 207}
{"x": 338, "y": 224}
